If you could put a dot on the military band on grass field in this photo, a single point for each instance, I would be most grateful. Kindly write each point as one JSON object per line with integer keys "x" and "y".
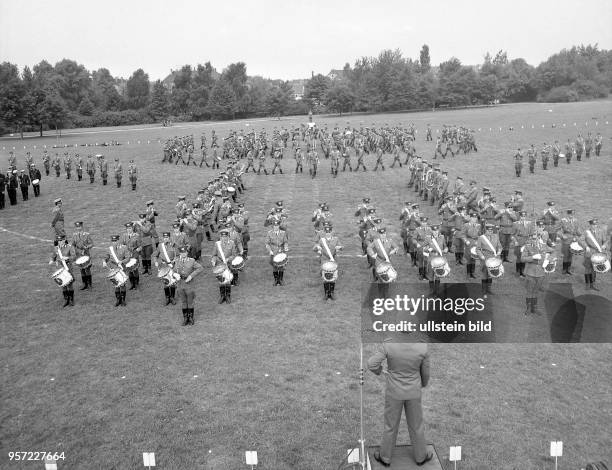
{"x": 464, "y": 220}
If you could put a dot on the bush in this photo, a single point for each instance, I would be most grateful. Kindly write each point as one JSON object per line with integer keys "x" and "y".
{"x": 588, "y": 89}
{"x": 560, "y": 94}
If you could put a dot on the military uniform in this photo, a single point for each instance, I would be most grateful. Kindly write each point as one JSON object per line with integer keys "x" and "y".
{"x": 327, "y": 248}
{"x": 151, "y": 215}
{"x": 506, "y": 218}
{"x": 57, "y": 222}
{"x": 596, "y": 241}
{"x": 187, "y": 268}
{"x": 224, "y": 251}
{"x": 488, "y": 246}
{"x": 551, "y": 218}
{"x": 133, "y": 174}
{"x": 116, "y": 258}
{"x": 458, "y": 220}
{"x": 24, "y": 185}
{"x": 380, "y": 250}
{"x": 90, "y": 166}
{"x": 104, "y": 170}
{"x": 65, "y": 254}
{"x": 470, "y": 233}
{"x": 83, "y": 243}
{"x": 132, "y": 241}
{"x": 166, "y": 254}
{"x": 531, "y": 155}
{"x": 46, "y": 162}
{"x": 78, "y": 162}
{"x": 518, "y": 163}
{"x": 569, "y": 232}
{"x": 12, "y": 185}
{"x": 144, "y": 230}
{"x": 522, "y": 231}
{"x": 67, "y": 165}
{"x": 57, "y": 165}
{"x": 261, "y": 162}
{"x": 533, "y": 254}
{"x": 277, "y": 242}
{"x": 118, "y": 169}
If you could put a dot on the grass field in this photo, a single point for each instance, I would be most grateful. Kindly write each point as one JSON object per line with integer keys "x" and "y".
{"x": 277, "y": 370}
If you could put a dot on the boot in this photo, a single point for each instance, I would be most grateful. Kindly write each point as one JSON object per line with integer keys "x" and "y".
{"x": 517, "y": 267}
{"x": 489, "y": 285}
{"x": 221, "y": 294}
{"x": 167, "y": 292}
{"x": 136, "y": 280}
{"x": 527, "y": 306}
{"x": 71, "y": 297}
{"x": 133, "y": 187}
{"x": 326, "y": 289}
{"x": 374, "y": 274}
{"x": 228, "y": 294}
{"x": 185, "y": 317}
{"x": 459, "y": 258}
{"x": 484, "y": 288}
{"x": 505, "y": 256}
{"x": 172, "y": 293}
{"x": 123, "y": 299}
{"x": 567, "y": 270}
{"x": 522, "y": 273}
{"x": 587, "y": 280}
{"x": 472, "y": 269}
{"x": 592, "y": 282}
{"x": 332, "y": 286}
{"x": 118, "y": 297}
{"x": 421, "y": 276}
{"x": 208, "y": 236}
{"x": 275, "y": 278}
{"x": 89, "y": 283}
{"x": 66, "y": 299}
{"x": 131, "y": 277}
{"x": 281, "y": 274}
{"x": 85, "y": 283}
{"x": 534, "y": 306}
{"x": 145, "y": 269}
{"x": 235, "y": 281}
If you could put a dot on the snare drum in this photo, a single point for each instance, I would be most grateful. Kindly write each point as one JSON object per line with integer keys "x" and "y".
{"x": 62, "y": 277}
{"x": 386, "y": 273}
{"x": 279, "y": 260}
{"x": 329, "y": 271}
{"x": 168, "y": 276}
{"x": 35, "y": 182}
{"x": 117, "y": 277}
{"x": 237, "y": 263}
{"x": 223, "y": 274}
{"x": 83, "y": 262}
{"x": 132, "y": 264}
{"x": 231, "y": 189}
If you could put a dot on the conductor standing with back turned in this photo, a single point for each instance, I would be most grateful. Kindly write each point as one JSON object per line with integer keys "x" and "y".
{"x": 407, "y": 373}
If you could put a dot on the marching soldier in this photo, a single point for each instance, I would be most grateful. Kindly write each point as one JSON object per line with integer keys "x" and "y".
{"x": 57, "y": 164}
{"x": 103, "y": 169}
{"x": 12, "y": 161}
{"x": 458, "y": 220}
{"x": 131, "y": 240}
{"x": 422, "y": 234}
{"x": 2, "y": 186}
{"x": 531, "y": 155}
{"x": 381, "y": 249}
{"x": 46, "y": 162}
{"x": 556, "y": 151}
{"x": 550, "y": 217}
{"x": 35, "y": 177}
{"x": 224, "y": 251}
{"x": 57, "y": 222}
{"x": 78, "y": 162}
{"x": 133, "y": 174}
{"x": 522, "y": 231}
{"x": 596, "y": 242}
{"x": 90, "y": 166}
{"x": 447, "y": 211}
{"x": 579, "y": 147}
{"x": 569, "y": 232}
{"x": 181, "y": 208}
{"x": 261, "y": 161}
{"x": 29, "y": 160}
{"x": 396, "y": 156}
{"x": 166, "y": 254}
{"x": 517, "y": 201}
{"x": 313, "y": 162}
{"x": 327, "y": 248}
{"x": 241, "y": 223}
{"x": 118, "y": 169}
{"x": 117, "y": 257}
{"x": 588, "y": 145}
{"x": 442, "y": 189}
{"x": 569, "y": 151}
{"x": 187, "y": 268}
{"x": 64, "y": 253}
{"x": 533, "y": 254}
{"x": 144, "y": 230}
{"x": 379, "y": 158}
{"x": 487, "y": 246}
{"x": 151, "y": 214}
{"x": 470, "y": 234}
{"x": 178, "y": 238}
{"x": 216, "y": 157}
{"x": 299, "y": 160}
{"x": 346, "y": 156}
{"x": 24, "y": 184}
{"x": 360, "y": 154}
{"x": 506, "y": 218}
{"x": 545, "y": 156}
{"x": 518, "y": 162}
{"x": 67, "y": 164}
{"x": 428, "y": 137}
{"x": 276, "y": 243}
{"x": 190, "y": 228}
{"x": 82, "y": 243}
{"x": 434, "y": 246}
{"x": 278, "y": 154}
{"x": 335, "y": 161}
{"x": 471, "y": 197}
{"x": 598, "y": 143}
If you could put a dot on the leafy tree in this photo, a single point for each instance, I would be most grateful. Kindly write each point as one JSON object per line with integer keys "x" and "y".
{"x": 12, "y": 97}
{"x": 160, "y": 101}
{"x": 86, "y": 107}
{"x": 339, "y": 98}
{"x": 278, "y": 99}
{"x": 138, "y": 90}
{"x": 316, "y": 88}
{"x": 236, "y": 77}
{"x": 424, "y": 59}
{"x": 105, "y": 95}
{"x": 74, "y": 82}
{"x": 222, "y": 102}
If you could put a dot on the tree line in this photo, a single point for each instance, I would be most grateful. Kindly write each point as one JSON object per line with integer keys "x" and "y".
{"x": 68, "y": 95}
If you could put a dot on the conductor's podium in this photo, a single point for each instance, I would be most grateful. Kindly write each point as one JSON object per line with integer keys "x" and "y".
{"x": 402, "y": 459}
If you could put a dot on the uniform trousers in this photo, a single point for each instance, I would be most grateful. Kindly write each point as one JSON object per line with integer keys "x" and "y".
{"x": 414, "y": 420}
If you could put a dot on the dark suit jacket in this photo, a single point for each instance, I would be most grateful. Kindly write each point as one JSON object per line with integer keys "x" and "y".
{"x": 407, "y": 366}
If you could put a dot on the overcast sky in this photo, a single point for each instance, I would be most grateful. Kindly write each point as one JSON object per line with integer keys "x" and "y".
{"x": 289, "y": 39}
